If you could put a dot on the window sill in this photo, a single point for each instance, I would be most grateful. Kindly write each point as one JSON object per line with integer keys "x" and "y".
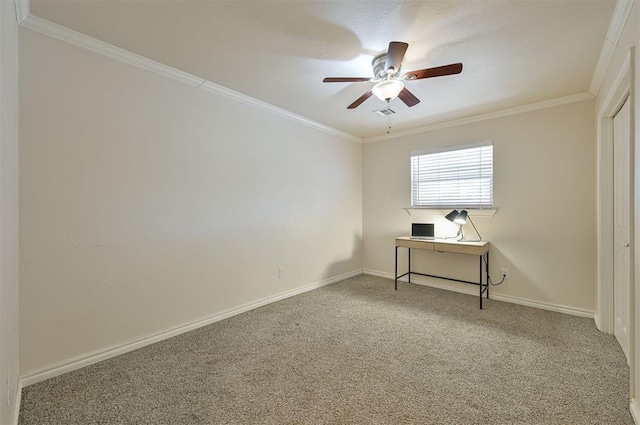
{"x": 431, "y": 211}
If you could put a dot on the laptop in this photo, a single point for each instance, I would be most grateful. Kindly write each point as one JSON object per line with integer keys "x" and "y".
{"x": 424, "y": 231}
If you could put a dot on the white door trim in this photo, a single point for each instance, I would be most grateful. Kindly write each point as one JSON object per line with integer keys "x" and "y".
{"x": 622, "y": 235}
{"x": 604, "y": 192}
{"x": 622, "y": 88}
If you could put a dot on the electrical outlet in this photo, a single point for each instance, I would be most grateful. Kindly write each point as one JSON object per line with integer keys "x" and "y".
{"x": 280, "y": 272}
{"x": 505, "y": 273}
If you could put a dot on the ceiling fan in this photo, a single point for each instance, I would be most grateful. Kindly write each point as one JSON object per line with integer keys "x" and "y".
{"x": 386, "y": 71}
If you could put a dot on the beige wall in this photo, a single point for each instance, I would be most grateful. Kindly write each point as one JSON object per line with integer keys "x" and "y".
{"x": 136, "y": 215}
{"x": 147, "y": 204}
{"x": 544, "y": 189}
{"x": 8, "y": 210}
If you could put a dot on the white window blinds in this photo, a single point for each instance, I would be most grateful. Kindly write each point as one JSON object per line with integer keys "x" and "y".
{"x": 461, "y": 178}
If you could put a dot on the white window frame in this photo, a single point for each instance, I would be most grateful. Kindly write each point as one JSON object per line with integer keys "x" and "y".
{"x": 455, "y": 180}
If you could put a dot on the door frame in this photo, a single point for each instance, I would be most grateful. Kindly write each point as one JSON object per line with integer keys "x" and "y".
{"x": 623, "y": 236}
{"x": 622, "y": 89}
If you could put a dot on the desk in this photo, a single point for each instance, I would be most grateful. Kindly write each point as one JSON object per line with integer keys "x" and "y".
{"x": 481, "y": 249}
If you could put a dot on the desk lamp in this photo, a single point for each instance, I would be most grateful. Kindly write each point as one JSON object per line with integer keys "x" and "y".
{"x": 461, "y": 218}
{"x": 452, "y": 218}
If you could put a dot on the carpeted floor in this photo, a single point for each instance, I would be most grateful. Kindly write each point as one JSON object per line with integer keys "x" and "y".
{"x": 356, "y": 352}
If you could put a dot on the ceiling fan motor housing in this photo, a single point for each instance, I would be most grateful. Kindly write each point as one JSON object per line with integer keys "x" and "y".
{"x": 380, "y": 69}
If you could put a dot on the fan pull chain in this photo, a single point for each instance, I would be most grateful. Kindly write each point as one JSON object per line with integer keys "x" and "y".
{"x": 388, "y": 118}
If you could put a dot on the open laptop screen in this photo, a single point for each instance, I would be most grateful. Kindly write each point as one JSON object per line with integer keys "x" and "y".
{"x": 422, "y": 230}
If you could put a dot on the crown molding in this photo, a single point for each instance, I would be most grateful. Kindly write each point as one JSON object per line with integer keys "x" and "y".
{"x": 620, "y": 15}
{"x": 579, "y": 97}
{"x": 258, "y": 104}
{"x": 78, "y": 39}
{"x": 621, "y": 82}
{"x": 22, "y": 10}
{"x": 616, "y": 26}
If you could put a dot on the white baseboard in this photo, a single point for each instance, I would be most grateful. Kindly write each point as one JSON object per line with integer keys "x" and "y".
{"x": 435, "y": 283}
{"x": 100, "y": 355}
{"x": 16, "y": 403}
{"x": 634, "y": 408}
{"x": 596, "y": 320}
{"x": 104, "y": 354}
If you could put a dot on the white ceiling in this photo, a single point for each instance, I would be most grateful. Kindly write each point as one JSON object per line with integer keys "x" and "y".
{"x": 515, "y": 52}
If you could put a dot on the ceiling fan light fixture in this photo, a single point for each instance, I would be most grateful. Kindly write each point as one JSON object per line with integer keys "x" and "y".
{"x": 386, "y": 72}
{"x": 388, "y": 90}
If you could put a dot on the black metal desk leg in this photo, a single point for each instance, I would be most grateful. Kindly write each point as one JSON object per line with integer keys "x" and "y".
{"x": 488, "y": 283}
{"x": 409, "y": 264}
{"x": 396, "y": 284}
{"x": 480, "y": 282}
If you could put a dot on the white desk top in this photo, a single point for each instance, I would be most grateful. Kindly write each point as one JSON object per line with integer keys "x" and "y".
{"x": 444, "y": 245}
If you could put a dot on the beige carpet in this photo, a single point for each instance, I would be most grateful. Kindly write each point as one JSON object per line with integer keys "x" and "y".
{"x": 356, "y": 352}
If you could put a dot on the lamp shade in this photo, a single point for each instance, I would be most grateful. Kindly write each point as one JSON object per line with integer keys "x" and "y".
{"x": 452, "y": 216}
{"x": 388, "y": 90}
{"x": 462, "y": 217}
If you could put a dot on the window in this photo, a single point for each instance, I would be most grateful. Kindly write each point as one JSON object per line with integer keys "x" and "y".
{"x": 458, "y": 178}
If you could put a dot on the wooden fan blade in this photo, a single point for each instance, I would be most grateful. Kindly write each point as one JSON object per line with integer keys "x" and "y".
{"x": 408, "y": 98}
{"x": 361, "y": 99}
{"x": 439, "y": 71}
{"x": 346, "y": 79}
{"x": 395, "y": 54}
